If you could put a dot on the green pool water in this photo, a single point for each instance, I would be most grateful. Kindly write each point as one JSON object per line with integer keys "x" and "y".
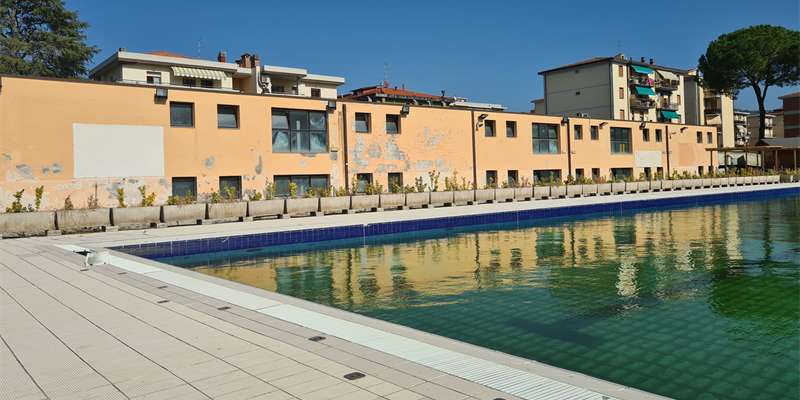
{"x": 690, "y": 303}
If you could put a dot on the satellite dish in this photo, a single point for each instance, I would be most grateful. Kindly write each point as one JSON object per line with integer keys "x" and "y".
{"x": 385, "y": 84}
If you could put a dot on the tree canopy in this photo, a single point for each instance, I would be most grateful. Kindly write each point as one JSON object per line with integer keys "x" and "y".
{"x": 760, "y": 56}
{"x": 42, "y": 38}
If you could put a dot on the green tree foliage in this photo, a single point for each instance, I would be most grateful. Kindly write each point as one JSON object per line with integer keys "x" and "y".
{"x": 42, "y": 38}
{"x": 758, "y": 56}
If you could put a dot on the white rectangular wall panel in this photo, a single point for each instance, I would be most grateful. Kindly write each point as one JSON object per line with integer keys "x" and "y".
{"x": 118, "y": 151}
{"x": 648, "y": 159}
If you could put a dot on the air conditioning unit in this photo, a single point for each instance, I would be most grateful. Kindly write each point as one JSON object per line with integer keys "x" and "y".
{"x": 583, "y": 115}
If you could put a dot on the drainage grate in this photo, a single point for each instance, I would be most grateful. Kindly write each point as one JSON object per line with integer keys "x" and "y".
{"x": 85, "y": 269}
{"x": 121, "y": 273}
{"x": 316, "y": 338}
{"x": 354, "y": 375}
{"x": 162, "y": 287}
{"x": 224, "y": 308}
{"x": 163, "y": 301}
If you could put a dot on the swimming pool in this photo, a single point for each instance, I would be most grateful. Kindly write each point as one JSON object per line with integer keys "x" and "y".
{"x": 693, "y": 302}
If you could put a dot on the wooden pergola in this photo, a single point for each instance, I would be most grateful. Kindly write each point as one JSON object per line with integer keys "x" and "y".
{"x": 759, "y": 150}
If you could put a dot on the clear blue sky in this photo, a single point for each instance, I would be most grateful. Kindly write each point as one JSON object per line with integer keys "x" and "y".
{"x": 486, "y": 51}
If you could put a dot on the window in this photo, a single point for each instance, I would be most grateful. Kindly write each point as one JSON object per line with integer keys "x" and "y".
{"x": 621, "y": 93}
{"x": 363, "y": 181}
{"x": 392, "y": 124}
{"x": 396, "y": 177}
{"x": 621, "y": 173}
{"x": 316, "y": 93}
{"x": 513, "y": 178}
{"x": 578, "y": 132}
{"x": 511, "y": 129}
{"x": 545, "y": 139}
{"x": 700, "y": 171}
{"x": 679, "y": 99}
{"x": 206, "y": 83}
{"x": 593, "y": 132}
{"x": 298, "y": 131}
{"x": 277, "y": 89}
{"x": 303, "y": 182}
{"x": 595, "y": 173}
{"x": 230, "y": 182}
{"x": 708, "y": 138}
{"x": 227, "y": 116}
{"x": 491, "y": 178}
{"x": 578, "y": 173}
{"x": 699, "y": 137}
{"x": 181, "y": 186}
{"x": 647, "y": 172}
{"x": 658, "y": 135}
{"x": 619, "y": 71}
{"x": 620, "y": 141}
{"x": 646, "y": 135}
{"x": 189, "y": 82}
{"x": 489, "y": 128}
{"x": 540, "y": 175}
{"x": 362, "y": 123}
{"x": 621, "y": 114}
{"x": 181, "y": 114}
{"x": 154, "y": 78}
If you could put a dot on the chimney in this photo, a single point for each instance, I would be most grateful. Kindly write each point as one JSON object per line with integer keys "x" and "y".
{"x": 221, "y": 56}
{"x": 239, "y": 62}
{"x": 246, "y": 60}
{"x": 651, "y": 61}
{"x": 642, "y": 59}
{"x": 395, "y": 88}
{"x": 404, "y": 86}
{"x": 255, "y": 60}
{"x": 442, "y": 93}
{"x": 122, "y": 49}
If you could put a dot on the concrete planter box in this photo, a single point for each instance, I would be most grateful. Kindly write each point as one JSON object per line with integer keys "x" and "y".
{"x": 667, "y": 185}
{"x": 692, "y": 183}
{"x": 304, "y": 205}
{"x": 761, "y": 180}
{"x": 773, "y": 179}
{"x": 558, "y": 192}
{"x": 716, "y": 182}
{"x": 418, "y": 199}
{"x": 504, "y": 194}
{"x": 188, "y": 212}
{"x": 523, "y": 193}
{"x": 574, "y": 190}
{"x": 643, "y": 186}
{"x": 265, "y": 207}
{"x": 131, "y": 216}
{"x": 631, "y": 187}
{"x": 589, "y": 190}
{"x": 227, "y": 210}
{"x": 445, "y": 198}
{"x": 655, "y": 186}
{"x": 366, "y": 202}
{"x": 603, "y": 188}
{"x": 748, "y": 180}
{"x": 707, "y": 182}
{"x": 89, "y": 218}
{"x": 483, "y": 195}
{"x": 464, "y": 196}
{"x": 796, "y": 178}
{"x": 334, "y": 204}
{"x": 739, "y": 180}
{"x": 541, "y": 192}
{"x": 618, "y": 188}
{"x": 785, "y": 178}
{"x": 27, "y": 222}
{"x": 724, "y": 182}
{"x": 393, "y": 200}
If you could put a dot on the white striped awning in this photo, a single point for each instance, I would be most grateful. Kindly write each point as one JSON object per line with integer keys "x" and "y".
{"x": 199, "y": 73}
{"x": 668, "y": 75}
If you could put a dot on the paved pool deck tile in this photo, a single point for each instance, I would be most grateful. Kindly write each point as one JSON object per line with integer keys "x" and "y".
{"x": 72, "y": 331}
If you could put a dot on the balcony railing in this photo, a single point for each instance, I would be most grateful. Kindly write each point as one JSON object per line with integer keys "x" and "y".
{"x": 709, "y": 94}
{"x": 715, "y": 111}
{"x": 667, "y": 85}
{"x": 641, "y": 81}
{"x": 135, "y": 82}
{"x": 740, "y": 121}
{"x": 643, "y": 103}
{"x": 665, "y": 105}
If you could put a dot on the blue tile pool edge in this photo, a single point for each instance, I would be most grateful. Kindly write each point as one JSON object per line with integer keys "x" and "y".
{"x": 260, "y": 240}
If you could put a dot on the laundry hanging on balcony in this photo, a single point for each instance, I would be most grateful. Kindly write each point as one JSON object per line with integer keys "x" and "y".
{"x": 199, "y": 73}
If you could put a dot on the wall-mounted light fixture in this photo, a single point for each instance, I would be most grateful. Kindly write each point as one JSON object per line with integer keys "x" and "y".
{"x": 602, "y": 124}
{"x": 331, "y": 105}
{"x": 643, "y": 124}
{"x": 684, "y": 128}
{"x": 673, "y": 133}
{"x": 161, "y": 93}
{"x": 670, "y": 152}
{"x": 483, "y": 117}
{"x": 565, "y": 120}
{"x": 405, "y": 110}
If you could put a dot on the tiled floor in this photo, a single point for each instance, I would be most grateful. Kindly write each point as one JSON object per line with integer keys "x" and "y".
{"x": 104, "y": 332}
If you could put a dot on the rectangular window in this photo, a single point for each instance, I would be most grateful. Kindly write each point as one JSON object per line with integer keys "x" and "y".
{"x": 647, "y": 171}
{"x": 154, "y": 78}
{"x": 621, "y": 173}
{"x": 544, "y": 175}
{"x": 392, "y": 124}
{"x": 206, "y": 83}
{"x": 303, "y": 182}
{"x": 545, "y": 139}
{"x": 700, "y": 171}
{"x": 189, "y": 82}
{"x": 181, "y": 114}
{"x": 491, "y": 178}
{"x": 619, "y": 71}
{"x": 396, "y": 177}
{"x": 489, "y": 128}
{"x": 578, "y": 132}
{"x": 277, "y": 89}
{"x": 621, "y": 93}
{"x": 646, "y": 135}
{"x": 180, "y": 186}
{"x": 620, "y": 141}
{"x": 513, "y": 178}
{"x": 595, "y": 173}
{"x": 227, "y": 116}
{"x": 593, "y": 132}
{"x": 658, "y": 135}
{"x": 230, "y": 183}
{"x": 363, "y": 181}
{"x": 699, "y": 137}
{"x": 708, "y": 137}
{"x": 578, "y": 173}
{"x": 621, "y": 114}
{"x": 679, "y": 99}
{"x": 316, "y": 93}
{"x": 362, "y": 123}
{"x": 298, "y": 131}
{"x": 511, "y": 129}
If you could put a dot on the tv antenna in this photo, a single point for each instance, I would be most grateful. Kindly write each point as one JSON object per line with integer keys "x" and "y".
{"x": 387, "y": 73}
{"x": 200, "y": 46}
{"x": 620, "y": 47}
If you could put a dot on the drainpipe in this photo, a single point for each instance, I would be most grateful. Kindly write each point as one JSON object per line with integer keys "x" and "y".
{"x": 474, "y": 157}
{"x": 344, "y": 140}
{"x": 569, "y": 147}
{"x": 666, "y": 130}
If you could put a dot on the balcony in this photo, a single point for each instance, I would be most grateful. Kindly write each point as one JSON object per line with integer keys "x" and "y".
{"x": 713, "y": 111}
{"x": 665, "y": 105}
{"x": 167, "y": 85}
{"x": 665, "y": 84}
{"x": 740, "y": 121}
{"x": 641, "y": 81}
{"x": 708, "y": 94}
{"x": 643, "y": 103}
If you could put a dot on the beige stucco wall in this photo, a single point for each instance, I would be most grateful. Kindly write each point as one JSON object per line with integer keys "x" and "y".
{"x": 592, "y": 81}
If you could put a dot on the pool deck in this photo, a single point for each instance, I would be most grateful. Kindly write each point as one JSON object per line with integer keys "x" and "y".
{"x": 136, "y": 328}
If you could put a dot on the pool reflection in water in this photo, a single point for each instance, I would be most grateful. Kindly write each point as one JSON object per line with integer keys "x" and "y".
{"x": 699, "y": 302}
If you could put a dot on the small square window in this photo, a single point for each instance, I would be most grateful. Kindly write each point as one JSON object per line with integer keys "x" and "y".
{"x": 489, "y": 128}
{"x": 397, "y": 178}
{"x": 392, "y": 124}
{"x": 228, "y": 183}
{"x": 513, "y": 178}
{"x": 182, "y": 186}
{"x": 708, "y": 138}
{"x": 154, "y": 78}
{"x": 511, "y": 129}
{"x": 593, "y": 132}
{"x": 316, "y": 93}
{"x": 595, "y": 173}
{"x": 363, "y": 181}
{"x": 578, "y": 132}
{"x": 181, "y": 114}
{"x": 577, "y": 93}
{"x": 578, "y": 173}
{"x": 362, "y": 123}
{"x": 227, "y": 116}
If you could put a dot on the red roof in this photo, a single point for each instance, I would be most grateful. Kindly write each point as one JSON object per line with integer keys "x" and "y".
{"x": 593, "y": 60}
{"x": 166, "y": 54}
{"x": 542, "y": 99}
{"x": 390, "y": 91}
{"x": 796, "y": 94}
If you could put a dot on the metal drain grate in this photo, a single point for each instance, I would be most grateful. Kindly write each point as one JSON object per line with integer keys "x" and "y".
{"x": 354, "y": 375}
{"x": 85, "y": 269}
{"x": 224, "y": 308}
{"x": 163, "y": 301}
{"x": 316, "y": 338}
{"x": 162, "y": 287}
{"x": 121, "y": 273}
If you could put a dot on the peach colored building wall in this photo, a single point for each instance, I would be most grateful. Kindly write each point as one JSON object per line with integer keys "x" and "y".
{"x": 40, "y": 118}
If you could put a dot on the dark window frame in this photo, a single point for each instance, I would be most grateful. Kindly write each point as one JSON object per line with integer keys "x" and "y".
{"x": 593, "y": 133}
{"x": 645, "y": 135}
{"x": 189, "y": 82}
{"x": 398, "y": 128}
{"x": 178, "y": 104}
{"x": 621, "y": 137}
{"x": 515, "y": 179}
{"x": 287, "y": 114}
{"x": 367, "y": 179}
{"x": 489, "y": 128}
{"x": 301, "y": 181}
{"x": 659, "y": 137}
{"x": 513, "y": 126}
{"x": 578, "y": 131}
{"x": 367, "y": 118}
{"x": 709, "y": 138}
{"x": 224, "y": 181}
{"x": 537, "y": 136}
{"x": 394, "y": 174}
{"x": 185, "y": 179}
{"x": 699, "y": 137}
{"x": 493, "y": 173}
{"x": 235, "y": 115}
{"x": 318, "y": 92}
{"x": 207, "y": 83}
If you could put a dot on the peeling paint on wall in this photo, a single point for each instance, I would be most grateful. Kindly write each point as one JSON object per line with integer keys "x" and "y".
{"x": 422, "y": 165}
{"x": 374, "y": 150}
{"x": 25, "y": 171}
{"x": 393, "y": 150}
{"x": 384, "y": 168}
{"x": 259, "y": 166}
{"x": 56, "y": 168}
{"x": 210, "y": 162}
{"x": 45, "y": 169}
{"x": 442, "y": 165}
{"x": 5, "y": 157}
{"x": 356, "y": 153}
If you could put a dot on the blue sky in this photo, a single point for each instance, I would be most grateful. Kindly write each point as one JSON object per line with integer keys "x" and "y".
{"x": 486, "y": 51}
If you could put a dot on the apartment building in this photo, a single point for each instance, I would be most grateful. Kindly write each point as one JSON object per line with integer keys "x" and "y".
{"x": 246, "y": 75}
{"x": 791, "y": 112}
{"x": 616, "y": 88}
{"x": 769, "y": 124}
{"x": 385, "y": 94}
{"x": 740, "y": 122}
{"x": 704, "y": 107}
